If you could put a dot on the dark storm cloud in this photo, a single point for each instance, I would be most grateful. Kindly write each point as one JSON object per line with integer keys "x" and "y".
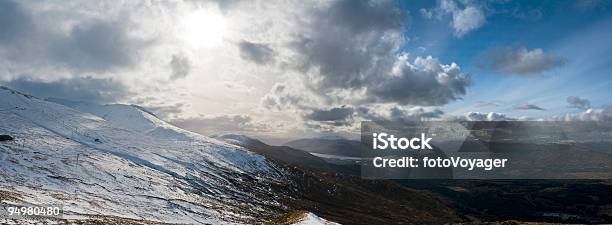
{"x": 87, "y": 45}
{"x": 520, "y": 61}
{"x": 349, "y": 53}
{"x": 258, "y": 53}
{"x": 180, "y": 66}
{"x": 344, "y": 41}
{"x": 81, "y": 89}
{"x": 528, "y": 107}
{"x": 354, "y": 45}
{"x": 333, "y": 114}
{"x": 14, "y": 21}
{"x": 363, "y": 16}
{"x": 97, "y": 46}
{"x": 426, "y": 84}
{"x": 578, "y": 103}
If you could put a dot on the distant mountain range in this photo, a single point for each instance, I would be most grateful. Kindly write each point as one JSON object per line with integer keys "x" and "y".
{"x": 288, "y": 156}
{"x": 329, "y": 146}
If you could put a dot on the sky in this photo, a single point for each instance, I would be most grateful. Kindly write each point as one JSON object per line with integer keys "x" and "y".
{"x": 280, "y": 70}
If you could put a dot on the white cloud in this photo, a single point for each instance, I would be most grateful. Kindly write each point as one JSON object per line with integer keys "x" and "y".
{"x": 465, "y": 17}
{"x": 426, "y": 13}
{"x": 468, "y": 19}
{"x": 491, "y": 116}
{"x": 601, "y": 114}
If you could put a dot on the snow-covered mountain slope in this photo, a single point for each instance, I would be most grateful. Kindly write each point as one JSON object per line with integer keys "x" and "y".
{"x": 312, "y": 219}
{"x": 126, "y": 163}
{"x": 301, "y": 217}
{"x": 130, "y": 117}
{"x": 240, "y": 140}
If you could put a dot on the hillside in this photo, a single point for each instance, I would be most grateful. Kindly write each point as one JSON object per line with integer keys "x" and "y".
{"x": 121, "y": 164}
{"x": 131, "y": 167}
{"x": 281, "y": 154}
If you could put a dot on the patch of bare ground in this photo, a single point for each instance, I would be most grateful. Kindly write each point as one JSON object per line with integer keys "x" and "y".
{"x": 9, "y": 196}
{"x": 288, "y": 218}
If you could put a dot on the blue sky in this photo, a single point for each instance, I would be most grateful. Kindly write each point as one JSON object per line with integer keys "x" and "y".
{"x": 580, "y": 34}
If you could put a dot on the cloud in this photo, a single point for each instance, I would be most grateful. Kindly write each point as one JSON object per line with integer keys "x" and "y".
{"x": 86, "y": 89}
{"x": 463, "y": 19}
{"x": 180, "y": 66}
{"x": 600, "y": 114}
{"x": 208, "y": 125}
{"x": 82, "y": 44}
{"x": 528, "y": 106}
{"x": 398, "y": 113}
{"x": 424, "y": 82}
{"x": 348, "y": 53}
{"x": 467, "y": 19}
{"x": 165, "y": 111}
{"x": 340, "y": 115}
{"x": 584, "y": 5}
{"x": 339, "y": 51}
{"x": 520, "y": 61}
{"x": 578, "y": 103}
{"x": 258, "y": 53}
{"x": 491, "y": 116}
{"x": 414, "y": 113}
{"x": 346, "y": 41}
{"x": 426, "y": 13}
{"x": 97, "y": 46}
{"x": 15, "y": 22}
{"x": 281, "y": 98}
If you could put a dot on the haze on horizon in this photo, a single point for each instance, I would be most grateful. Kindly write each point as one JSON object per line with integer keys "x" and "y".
{"x": 286, "y": 69}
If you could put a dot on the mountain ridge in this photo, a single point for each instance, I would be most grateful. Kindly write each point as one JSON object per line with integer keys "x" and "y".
{"x": 104, "y": 168}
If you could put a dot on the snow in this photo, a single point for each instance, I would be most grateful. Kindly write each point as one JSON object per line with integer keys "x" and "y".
{"x": 312, "y": 219}
{"x": 130, "y": 117}
{"x": 237, "y": 139}
{"x": 119, "y": 160}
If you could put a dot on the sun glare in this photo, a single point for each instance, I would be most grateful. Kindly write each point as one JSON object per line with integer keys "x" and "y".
{"x": 202, "y": 28}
